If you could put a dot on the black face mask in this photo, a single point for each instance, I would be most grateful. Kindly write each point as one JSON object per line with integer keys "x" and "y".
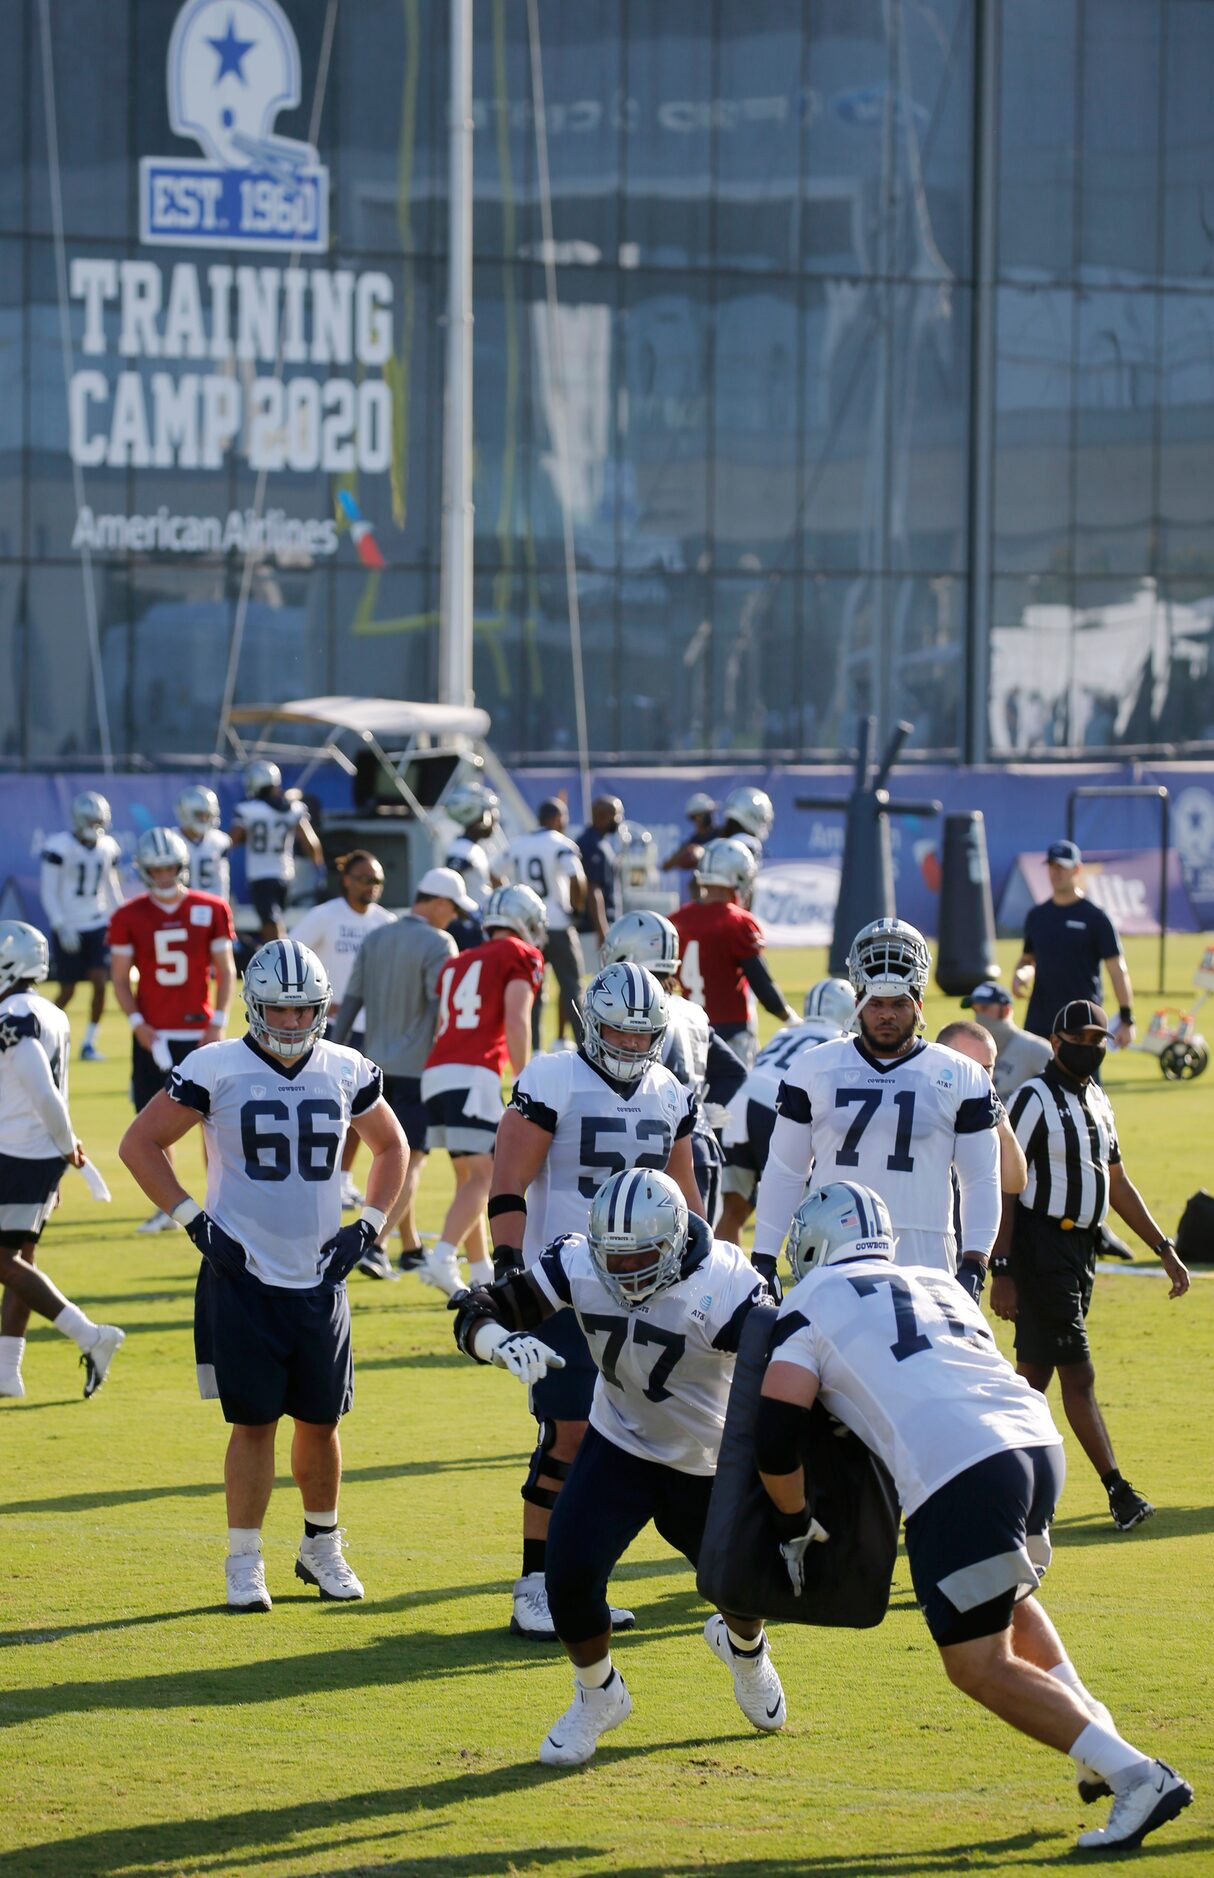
{"x": 1081, "y": 1060}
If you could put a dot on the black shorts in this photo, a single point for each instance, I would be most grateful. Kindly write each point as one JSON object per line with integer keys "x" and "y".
{"x": 745, "y": 1160}
{"x": 564, "y": 1394}
{"x": 448, "y": 1125}
{"x": 267, "y": 1352}
{"x": 403, "y": 1094}
{"x": 269, "y": 899}
{"x": 981, "y": 1542}
{"x": 27, "y": 1194}
{"x": 1054, "y": 1273}
{"x": 68, "y": 968}
{"x": 609, "y": 1497}
{"x": 147, "y": 1077}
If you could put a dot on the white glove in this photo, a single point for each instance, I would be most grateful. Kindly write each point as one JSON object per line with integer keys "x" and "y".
{"x": 793, "y": 1553}
{"x": 526, "y": 1357}
{"x": 68, "y": 937}
{"x": 716, "y": 1114}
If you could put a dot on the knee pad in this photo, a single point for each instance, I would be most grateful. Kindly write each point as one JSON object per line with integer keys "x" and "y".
{"x": 531, "y": 1491}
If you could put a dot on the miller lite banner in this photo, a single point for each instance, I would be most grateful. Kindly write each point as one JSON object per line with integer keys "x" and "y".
{"x": 274, "y": 363}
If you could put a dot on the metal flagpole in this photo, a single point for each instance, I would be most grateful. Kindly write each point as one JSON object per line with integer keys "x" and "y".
{"x": 455, "y": 613}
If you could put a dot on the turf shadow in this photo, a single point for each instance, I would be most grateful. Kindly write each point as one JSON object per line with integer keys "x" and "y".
{"x": 1169, "y": 1522}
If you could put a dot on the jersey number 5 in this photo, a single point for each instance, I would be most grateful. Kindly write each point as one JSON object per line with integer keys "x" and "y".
{"x": 267, "y": 1151}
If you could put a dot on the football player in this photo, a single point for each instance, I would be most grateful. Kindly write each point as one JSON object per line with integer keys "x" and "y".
{"x": 893, "y": 1113}
{"x": 80, "y": 889}
{"x": 38, "y": 1142}
{"x": 484, "y": 1022}
{"x": 198, "y": 825}
{"x": 829, "y": 1008}
{"x": 722, "y": 966}
{"x": 335, "y": 931}
{"x": 268, "y": 823}
{"x": 548, "y": 862}
{"x": 474, "y": 809}
{"x": 575, "y": 1117}
{"x": 748, "y": 815}
{"x": 271, "y": 1317}
{"x": 908, "y": 1364}
{"x": 662, "y": 1305}
{"x": 174, "y": 939}
{"x": 692, "y": 1051}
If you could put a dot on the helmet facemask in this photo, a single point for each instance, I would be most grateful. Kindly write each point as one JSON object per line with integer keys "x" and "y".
{"x": 638, "y": 1216}
{"x": 626, "y": 999}
{"x": 283, "y": 972}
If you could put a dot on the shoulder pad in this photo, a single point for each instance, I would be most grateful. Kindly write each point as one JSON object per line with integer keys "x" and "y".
{"x": 16, "y": 1025}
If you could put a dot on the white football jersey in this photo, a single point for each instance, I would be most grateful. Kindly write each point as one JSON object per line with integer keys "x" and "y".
{"x": 685, "y": 1046}
{"x": 470, "y": 861}
{"x": 335, "y": 933}
{"x": 546, "y": 862}
{"x": 665, "y": 1365}
{"x": 23, "y": 1134}
{"x": 209, "y": 870}
{"x": 893, "y": 1126}
{"x": 596, "y": 1131}
{"x": 269, "y": 844}
{"x": 80, "y": 884}
{"x": 905, "y": 1358}
{"x": 762, "y": 1084}
{"x": 274, "y": 1134}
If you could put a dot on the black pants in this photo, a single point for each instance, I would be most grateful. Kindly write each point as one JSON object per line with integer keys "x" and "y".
{"x": 609, "y": 1497}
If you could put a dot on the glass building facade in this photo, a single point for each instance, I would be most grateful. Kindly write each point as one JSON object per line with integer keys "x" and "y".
{"x": 880, "y": 373}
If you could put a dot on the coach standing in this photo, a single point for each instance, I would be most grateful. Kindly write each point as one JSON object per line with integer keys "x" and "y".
{"x": 1044, "y": 1261}
{"x": 1066, "y": 940}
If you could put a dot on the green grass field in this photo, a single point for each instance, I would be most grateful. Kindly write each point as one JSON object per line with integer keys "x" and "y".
{"x": 146, "y": 1731}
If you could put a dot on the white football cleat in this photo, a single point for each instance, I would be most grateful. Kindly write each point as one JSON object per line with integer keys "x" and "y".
{"x": 442, "y": 1271}
{"x": 756, "y": 1686}
{"x": 159, "y": 1222}
{"x": 1149, "y": 1805}
{"x": 320, "y": 1563}
{"x": 593, "y": 1712}
{"x": 531, "y": 1617}
{"x": 97, "y": 1360}
{"x": 246, "y": 1575}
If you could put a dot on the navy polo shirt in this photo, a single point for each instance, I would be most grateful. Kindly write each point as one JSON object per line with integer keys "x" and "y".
{"x": 1068, "y": 944}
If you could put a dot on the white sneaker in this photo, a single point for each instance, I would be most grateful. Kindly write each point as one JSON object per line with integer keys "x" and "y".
{"x": 11, "y": 1383}
{"x": 246, "y": 1575}
{"x": 1149, "y": 1805}
{"x": 442, "y": 1271}
{"x": 531, "y": 1617}
{"x": 756, "y": 1685}
{"x": 320, "y": 1563}
{"x": 592, "y": 1712}
{"x": 97, "y": 1360}
{"x": 350, "y": 1196}
{"x": 159, "y": 1222}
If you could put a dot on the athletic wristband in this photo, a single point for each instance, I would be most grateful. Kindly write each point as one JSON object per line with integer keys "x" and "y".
{"x": 1000, "y": 1265}
{"x": 375, "y": 1218}
{"x": 219, "y": 1020}
{"x": 135, "y": 1020}
{"x": 186, "y": 1211}
{"x": 506, "y": 1203}
{"x": 1126, "y": 1014}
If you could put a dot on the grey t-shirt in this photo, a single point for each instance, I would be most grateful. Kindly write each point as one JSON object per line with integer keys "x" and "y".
{"x": 395, "y": 977}
{"x": 1021, "y": 1055}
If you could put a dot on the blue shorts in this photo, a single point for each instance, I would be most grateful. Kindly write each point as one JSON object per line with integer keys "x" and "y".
{"x": 449, "y": 1126}
{"x": 267, "y": 1352}
{"x": 269, "y": 899}
{"x": 68, "y": 968}
{"x": 403, "y": 1095}
{"x": 564, "y": 1395}
{"x": 27, "y": 1194}
{"x": 707, "y": 1161}
{"x": 981, "y": 1542}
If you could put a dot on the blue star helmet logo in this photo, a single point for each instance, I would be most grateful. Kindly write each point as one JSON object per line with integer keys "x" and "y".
{"x": 231, "y": 51}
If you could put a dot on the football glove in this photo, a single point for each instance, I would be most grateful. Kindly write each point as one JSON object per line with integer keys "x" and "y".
{"x": 526, "y": 1357}
{"x": 971, "y": 1275}
{"x": 340, "y": 1254}
{"x": 221, "y": 1252}
{"x": 765, "y": 1265}
{"x": 506, "y": 1259}
{"x": 68, "y": 937}
{"x": 794, "y": 1545}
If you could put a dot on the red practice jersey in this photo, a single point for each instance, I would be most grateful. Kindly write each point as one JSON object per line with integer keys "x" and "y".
{"x": 714, "y": 938}
{"x": 472, "y": 1001}
{"x": 172, "y": 948}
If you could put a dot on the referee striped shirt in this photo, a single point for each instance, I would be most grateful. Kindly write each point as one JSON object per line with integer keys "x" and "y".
{"x": 1069, "y": 1139}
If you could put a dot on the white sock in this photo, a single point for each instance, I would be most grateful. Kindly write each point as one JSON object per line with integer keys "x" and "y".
{"x": 12, "y": 1349}
{"x": 90, "y": 1033}
{"x": 1066, "y": 1673}
{"x": 327, "y": 1520}
{"x": 1104, "y": 1751}
{"x": 744, "y": 1646}
{"x": 594, "y": 1675}
{"x": 243, "y": 1541}
{"x": 481, "y": 1273}
{"x": 441, "y": 1249}
{"x": 74, "y": 1324}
